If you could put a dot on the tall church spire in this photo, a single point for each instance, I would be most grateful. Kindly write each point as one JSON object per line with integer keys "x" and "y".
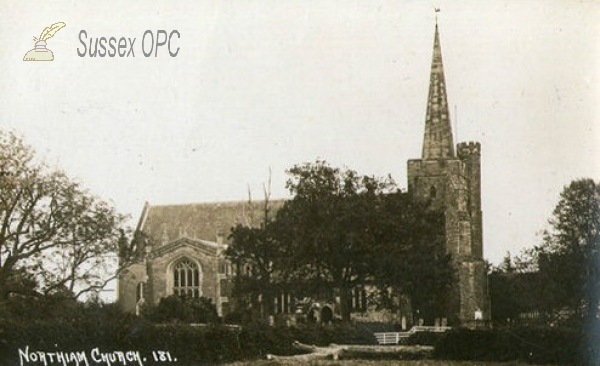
{"x": 437, "y": 142}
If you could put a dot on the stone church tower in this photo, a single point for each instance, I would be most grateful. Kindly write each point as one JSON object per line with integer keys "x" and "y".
{"x": 452, "y": 180}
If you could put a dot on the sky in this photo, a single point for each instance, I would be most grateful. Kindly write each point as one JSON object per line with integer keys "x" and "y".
{"x": 262, "y": 85}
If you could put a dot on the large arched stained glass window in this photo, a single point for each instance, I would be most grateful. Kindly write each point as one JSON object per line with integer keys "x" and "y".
{"x": 186, "y": 279}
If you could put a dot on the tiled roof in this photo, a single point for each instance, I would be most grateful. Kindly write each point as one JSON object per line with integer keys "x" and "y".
{"x": 205, "y": 221}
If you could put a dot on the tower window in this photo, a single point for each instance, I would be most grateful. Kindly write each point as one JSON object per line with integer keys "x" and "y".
{"x": 186, "y": 279}
{"x": 139, "y": 292}
{"x": 432, "y": 192}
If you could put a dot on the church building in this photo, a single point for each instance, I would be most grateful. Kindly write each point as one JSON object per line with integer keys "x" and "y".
{"x": 452, "y": 180}
{"x": 180, "y": 247}
{"x": 180, "y": 250}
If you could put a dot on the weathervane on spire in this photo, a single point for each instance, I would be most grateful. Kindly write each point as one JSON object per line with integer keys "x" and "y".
{"x": 437, "y": 10}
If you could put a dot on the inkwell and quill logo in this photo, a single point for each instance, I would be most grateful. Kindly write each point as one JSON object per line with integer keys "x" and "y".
{"x": 40, "y": 52}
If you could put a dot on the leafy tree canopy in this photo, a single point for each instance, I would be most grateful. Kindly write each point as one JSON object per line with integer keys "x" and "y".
{"x": 53, "y": 232}
{"x": 343, "y": 230}
{"x": 569, "y": 258}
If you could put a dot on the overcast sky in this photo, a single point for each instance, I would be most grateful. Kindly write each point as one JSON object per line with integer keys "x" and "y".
{"x": 268, "y": 84}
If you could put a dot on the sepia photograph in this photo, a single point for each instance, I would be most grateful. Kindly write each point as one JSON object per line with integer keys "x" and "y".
{"x": 302, "y": 182}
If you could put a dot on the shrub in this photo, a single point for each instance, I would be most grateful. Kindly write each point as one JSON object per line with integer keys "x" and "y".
{"x": 45, "y": 324}
{"x": 530, "y": 344}
{"x": 426, "y": 338}
{"x": 181, "y": 309}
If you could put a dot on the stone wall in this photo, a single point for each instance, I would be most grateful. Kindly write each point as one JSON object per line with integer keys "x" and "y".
{"x": 474, "y": 304}
{"x": 127, "y": 285}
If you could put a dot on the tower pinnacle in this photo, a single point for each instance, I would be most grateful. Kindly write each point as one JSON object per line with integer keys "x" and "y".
{"x": 437, "y": 142}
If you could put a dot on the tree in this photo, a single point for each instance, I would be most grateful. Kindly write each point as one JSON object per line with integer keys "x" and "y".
{"x": 255, "y": 255}
{"x": 410, "y": 254}
{"x": 569, "y": 258}
{"x": 51, "y": 228}
{"x": 342, "y": 231}
{"x": 326, "y": 229}
{"x": 512, "y": 290}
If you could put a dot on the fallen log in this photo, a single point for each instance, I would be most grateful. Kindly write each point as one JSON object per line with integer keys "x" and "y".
{"x": 335, "y": 351}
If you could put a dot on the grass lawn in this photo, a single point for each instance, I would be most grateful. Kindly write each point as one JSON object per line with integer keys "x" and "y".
{"x": 372, "y": 363}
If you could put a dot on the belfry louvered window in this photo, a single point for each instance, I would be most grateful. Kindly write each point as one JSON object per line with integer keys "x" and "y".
{"x": 186, "y": 279}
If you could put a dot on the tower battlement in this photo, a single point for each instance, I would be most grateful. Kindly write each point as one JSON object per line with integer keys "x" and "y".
{"x": 465, "y": 149}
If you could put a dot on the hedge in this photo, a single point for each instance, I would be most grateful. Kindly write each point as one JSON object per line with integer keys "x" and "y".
{"x": 540, "y": 345}
{"x": 194, "y": 345}
{"x": 191, "y": 345}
